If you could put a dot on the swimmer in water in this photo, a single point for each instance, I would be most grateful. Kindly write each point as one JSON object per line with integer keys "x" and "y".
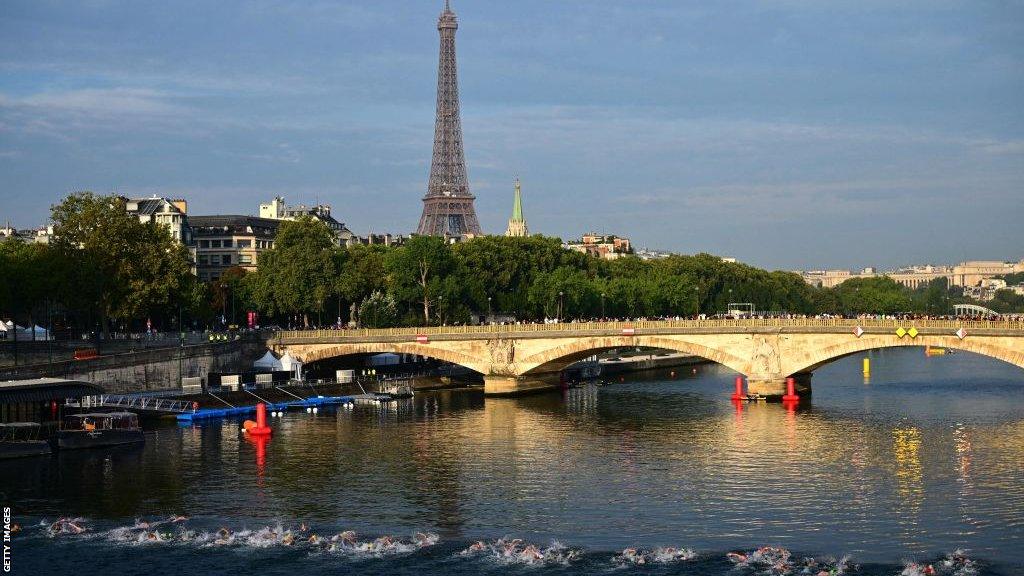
{"x": 176, "y": 519}
{"x": 346, "y": 537}
{"x": 141, "y": 525}
{"x": 288, "y": 539}
{"x": 15, "y": 528}
{"x": 303, "y": 527}
{"x": 737, "y": 557}
{"x": 477, "y": 546}
{"x": 531, "y": 554}
{"x": 224, "y": 536}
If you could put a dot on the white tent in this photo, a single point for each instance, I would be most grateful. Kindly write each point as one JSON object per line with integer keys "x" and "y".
{"x": 289, "y": 363}
{"x": 268, "y": 362}
{"x": 36, "y": 332}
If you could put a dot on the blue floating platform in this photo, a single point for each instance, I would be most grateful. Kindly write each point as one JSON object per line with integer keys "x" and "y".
{"x": 210, "y": 413}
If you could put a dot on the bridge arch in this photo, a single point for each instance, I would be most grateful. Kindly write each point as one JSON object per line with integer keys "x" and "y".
{"x": 816, "y": 358}
{"x": 558, "y": 357}
{"x": 327, "y": 351}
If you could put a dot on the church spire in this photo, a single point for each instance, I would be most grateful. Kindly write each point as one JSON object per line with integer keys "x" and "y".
{"x": 517, "y": 224}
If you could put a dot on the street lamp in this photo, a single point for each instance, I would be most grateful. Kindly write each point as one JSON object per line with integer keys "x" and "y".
{"x": 224, "y": 303}
{"x": 696, "y": 302}
{"x": 489, "y": 314}
{"x": 602, "y": 306}
{"x": 560, "y": 294}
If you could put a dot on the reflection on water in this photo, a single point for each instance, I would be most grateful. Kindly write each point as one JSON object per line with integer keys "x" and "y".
{"x": 925, "y": 458}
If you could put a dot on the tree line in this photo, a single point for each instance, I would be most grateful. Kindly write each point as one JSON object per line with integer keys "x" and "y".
{"x": 104, "y": 270}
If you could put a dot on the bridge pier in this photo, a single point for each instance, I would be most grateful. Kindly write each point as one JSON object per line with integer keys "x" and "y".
{"x": 775, "y": 388}
{"x": 516, "y": 386}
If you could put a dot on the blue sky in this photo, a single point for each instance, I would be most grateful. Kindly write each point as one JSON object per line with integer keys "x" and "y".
{"x": 789, "y": 133}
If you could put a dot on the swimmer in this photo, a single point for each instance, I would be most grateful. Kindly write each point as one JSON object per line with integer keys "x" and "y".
{"x": 288, "y": 539}
{"x": 346, "y": 537}
{"x": 141, "y": 525}
{"x": 314, "y": 539}
{"x": 531, "y": 554}
{"x": 477, "y": 546}
{"x": 224, "y": 536}
{"x": 631, "y": 555}
{"x": 176, "y": 519}
{"x": 737, "y": 557}
{"x": 303, "y": 527}
{"x": 423, "y": 539}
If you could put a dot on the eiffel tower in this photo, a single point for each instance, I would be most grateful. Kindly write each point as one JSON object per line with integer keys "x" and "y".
{"x": 448, "y": 206}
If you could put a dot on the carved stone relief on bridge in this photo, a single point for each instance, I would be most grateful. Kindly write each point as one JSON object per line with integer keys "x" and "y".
{"x": 503, "y": 355}
{"x": 764, "y": 359}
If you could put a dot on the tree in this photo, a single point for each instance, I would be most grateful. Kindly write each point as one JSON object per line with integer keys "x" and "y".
{"x": 298, "y": 274}
{"x": 361, "y": 272}
{"x": 122, "y": 267}
{"x": 417, "y": 269}
{"x": 565, "y": 290}
{"x": 379, "y": 310}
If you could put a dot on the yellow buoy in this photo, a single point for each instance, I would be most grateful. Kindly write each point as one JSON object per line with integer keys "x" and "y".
{"x": 867, "y": 367}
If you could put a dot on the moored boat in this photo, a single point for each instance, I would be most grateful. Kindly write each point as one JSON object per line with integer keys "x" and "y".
{"x": 396, "y": 388}
{"x": 19, "y": 439}
{"x": 94, "y": 430}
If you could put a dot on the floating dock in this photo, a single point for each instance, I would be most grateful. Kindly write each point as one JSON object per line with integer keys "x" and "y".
{"x": 313, "y": 402}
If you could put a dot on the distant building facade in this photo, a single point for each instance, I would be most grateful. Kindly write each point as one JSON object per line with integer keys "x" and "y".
{"x": 222, "y": 242}
{"x": 170, "y": 213}
{"x": 607, "y": 246}
{"x": 968, "y": 274}
{"x": 276, "y": 209}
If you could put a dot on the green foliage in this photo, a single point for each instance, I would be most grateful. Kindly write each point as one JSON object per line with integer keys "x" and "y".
{"x": 106, "y": 265}
{"x": 299, "y": 274}
{"x": 881, "y": 295}
{"x": 416, "y": 272}
{"x": 1013, "y": 279}
{"x": 124, "y": 268}
{"x": 379, "y": 310}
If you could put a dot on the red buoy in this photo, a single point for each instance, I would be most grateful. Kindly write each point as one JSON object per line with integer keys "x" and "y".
{"x": 261, "y": 428}
{"x": 790, "y": 391}
{"x": 738, "y": 395}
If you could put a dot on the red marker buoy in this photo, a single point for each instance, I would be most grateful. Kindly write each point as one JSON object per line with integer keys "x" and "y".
{"x": 738, "y": 395}
{"x": 790, "y": 391}
{"x": 261, "y": 428}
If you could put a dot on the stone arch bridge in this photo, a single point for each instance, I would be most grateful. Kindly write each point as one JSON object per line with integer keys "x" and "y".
{"x": 512, "y": 358}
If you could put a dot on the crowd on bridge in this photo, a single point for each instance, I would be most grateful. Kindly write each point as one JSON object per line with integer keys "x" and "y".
{"x": 506, "y": 321}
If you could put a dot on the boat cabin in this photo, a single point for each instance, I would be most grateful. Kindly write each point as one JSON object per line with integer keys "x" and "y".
{"x": 19, "y": 431}
{"x": 102, "y": 421}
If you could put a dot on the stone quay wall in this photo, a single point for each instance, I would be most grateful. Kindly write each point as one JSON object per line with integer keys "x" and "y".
{"x": 149, "y": 370}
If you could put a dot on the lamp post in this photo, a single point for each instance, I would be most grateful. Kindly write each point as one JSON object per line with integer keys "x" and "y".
{"x": 696, "y": 302}
{"x": 560, "y": 295}
{"x": 181, "y": 344}
{"x": 602, "y": 306}
{"x": 489, "y": 313}
{"x": 224, "y": 303}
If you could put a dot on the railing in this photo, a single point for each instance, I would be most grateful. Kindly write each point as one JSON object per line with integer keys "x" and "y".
{"x": 147, "y": 403}
{"x": 511, "y": 329}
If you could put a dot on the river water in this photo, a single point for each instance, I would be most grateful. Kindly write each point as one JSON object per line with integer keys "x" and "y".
{"x": 921, "y": 460}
